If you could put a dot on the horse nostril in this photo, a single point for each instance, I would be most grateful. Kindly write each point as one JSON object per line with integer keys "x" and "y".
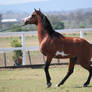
{"x": 25, "y": 22}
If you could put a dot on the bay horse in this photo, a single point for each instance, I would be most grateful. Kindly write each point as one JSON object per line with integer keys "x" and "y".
{"x": 55, "y": 45}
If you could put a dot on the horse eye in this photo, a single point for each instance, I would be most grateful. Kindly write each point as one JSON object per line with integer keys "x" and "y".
{"x": 33, "y": 15}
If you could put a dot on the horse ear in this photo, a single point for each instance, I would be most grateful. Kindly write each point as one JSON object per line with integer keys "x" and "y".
{"x": 35, "y": 9}
{"x": 39, "y": 10}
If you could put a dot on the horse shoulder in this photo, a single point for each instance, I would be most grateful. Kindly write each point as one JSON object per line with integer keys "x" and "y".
{"x": 47, "y": 46}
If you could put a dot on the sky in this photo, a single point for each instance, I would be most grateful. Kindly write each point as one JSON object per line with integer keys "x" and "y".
{"x": 44, "y": 5}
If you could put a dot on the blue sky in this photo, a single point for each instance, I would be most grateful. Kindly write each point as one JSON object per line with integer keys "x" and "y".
{"x": 44, "y": 5}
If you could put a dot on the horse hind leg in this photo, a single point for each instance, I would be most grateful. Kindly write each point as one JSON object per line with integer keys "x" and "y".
{"x": 70, "y": 70}
{"x": 86, "y": 64}
{"x": 89, "y": 78}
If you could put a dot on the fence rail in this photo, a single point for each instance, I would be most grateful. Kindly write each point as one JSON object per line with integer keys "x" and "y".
{"x": 34, "y": 48}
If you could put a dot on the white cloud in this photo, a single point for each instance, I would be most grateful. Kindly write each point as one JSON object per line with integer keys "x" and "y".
{"x": 10, "y": 2}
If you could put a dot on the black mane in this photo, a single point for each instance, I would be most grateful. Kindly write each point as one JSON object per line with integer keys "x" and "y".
{"x": 47, "y": 25}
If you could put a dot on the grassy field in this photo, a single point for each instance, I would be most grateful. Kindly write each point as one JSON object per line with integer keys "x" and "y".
{"x": 33, "y": 80}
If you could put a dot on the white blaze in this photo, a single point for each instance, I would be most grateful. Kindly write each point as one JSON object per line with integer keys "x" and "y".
{"x": 27, "y": 18}
{"x": 61, "y": 53}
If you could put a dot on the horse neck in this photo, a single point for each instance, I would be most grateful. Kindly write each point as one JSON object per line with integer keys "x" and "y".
{"x": 41, "y": 31}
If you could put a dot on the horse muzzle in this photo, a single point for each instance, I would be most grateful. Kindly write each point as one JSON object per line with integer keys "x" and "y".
{"x": 26, "y": 21}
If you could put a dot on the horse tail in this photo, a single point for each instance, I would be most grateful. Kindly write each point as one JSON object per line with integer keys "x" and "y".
{"x": 91, "y": 49}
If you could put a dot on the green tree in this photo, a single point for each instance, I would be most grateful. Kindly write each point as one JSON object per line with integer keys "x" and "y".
{"x": 82, "y": 26}
{"x": 17, "y": 28}
{"x": 17, "y": 56}
{"x": 56, "y": 22}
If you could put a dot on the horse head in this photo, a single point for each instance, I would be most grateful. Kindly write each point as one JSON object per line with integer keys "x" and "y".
{"x": 33, "y": 19}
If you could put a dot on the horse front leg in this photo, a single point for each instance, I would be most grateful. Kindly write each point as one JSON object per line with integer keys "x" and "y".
{"x": 70, "y": 70}
{"x": 46, "y": 69}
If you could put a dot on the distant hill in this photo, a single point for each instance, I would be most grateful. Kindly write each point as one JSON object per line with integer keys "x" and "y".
{"x": 11, "y": 15}
{"x": 72, "y": 19}
{"x": 76, "y": 18}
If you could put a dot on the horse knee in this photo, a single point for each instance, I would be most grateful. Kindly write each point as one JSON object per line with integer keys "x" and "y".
{"x": 71, "y": 71}
{"x": 71, "y": 65}
{"x": 90, "y": 70}
{"x": 46, "y": 66}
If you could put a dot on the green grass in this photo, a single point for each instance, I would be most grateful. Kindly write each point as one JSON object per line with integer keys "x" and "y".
{"x": 33, "y": 80}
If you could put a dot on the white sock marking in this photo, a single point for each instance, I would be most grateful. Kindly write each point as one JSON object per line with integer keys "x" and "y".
{"x": 61, "y": 53}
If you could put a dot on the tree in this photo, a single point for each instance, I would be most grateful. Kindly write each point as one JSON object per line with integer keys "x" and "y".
{"x": 17, "y": 57}
{"x": 56, "y": 22}
{"x": 17, "y": 28}
{"x": 82, "y": 25}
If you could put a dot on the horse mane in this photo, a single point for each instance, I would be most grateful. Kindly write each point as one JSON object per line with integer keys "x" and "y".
{"x": 48, "y": 27}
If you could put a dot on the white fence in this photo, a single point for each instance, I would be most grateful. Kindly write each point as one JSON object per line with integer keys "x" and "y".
{"x": 35, "y": 48}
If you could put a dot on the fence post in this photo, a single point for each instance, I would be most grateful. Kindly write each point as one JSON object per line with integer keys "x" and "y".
{"x": 23, "y": 49}
{"x": 4, "y": 54}
{"x": 58, "y": 60}
{"x": 81, "y": 34}
{"x": 29, "y": 57}
{"x": 44, "y": 59}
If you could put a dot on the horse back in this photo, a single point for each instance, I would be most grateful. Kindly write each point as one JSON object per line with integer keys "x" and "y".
{"x": 77, "y": 45}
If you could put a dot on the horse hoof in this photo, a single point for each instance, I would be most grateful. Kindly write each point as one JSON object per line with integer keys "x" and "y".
{"x": 49, "y": 85}
{"x": 85, "y": 85}
{"x": 57, "y": 85}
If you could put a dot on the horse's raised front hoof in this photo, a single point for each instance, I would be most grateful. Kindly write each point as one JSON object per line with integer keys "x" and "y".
{"x": 49, "y": 85}
{"x": 58, "y": 85}
{"x": 61, "y": 83}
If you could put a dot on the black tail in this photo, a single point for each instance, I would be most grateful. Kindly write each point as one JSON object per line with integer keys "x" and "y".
{"x": 91, "y": 49}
